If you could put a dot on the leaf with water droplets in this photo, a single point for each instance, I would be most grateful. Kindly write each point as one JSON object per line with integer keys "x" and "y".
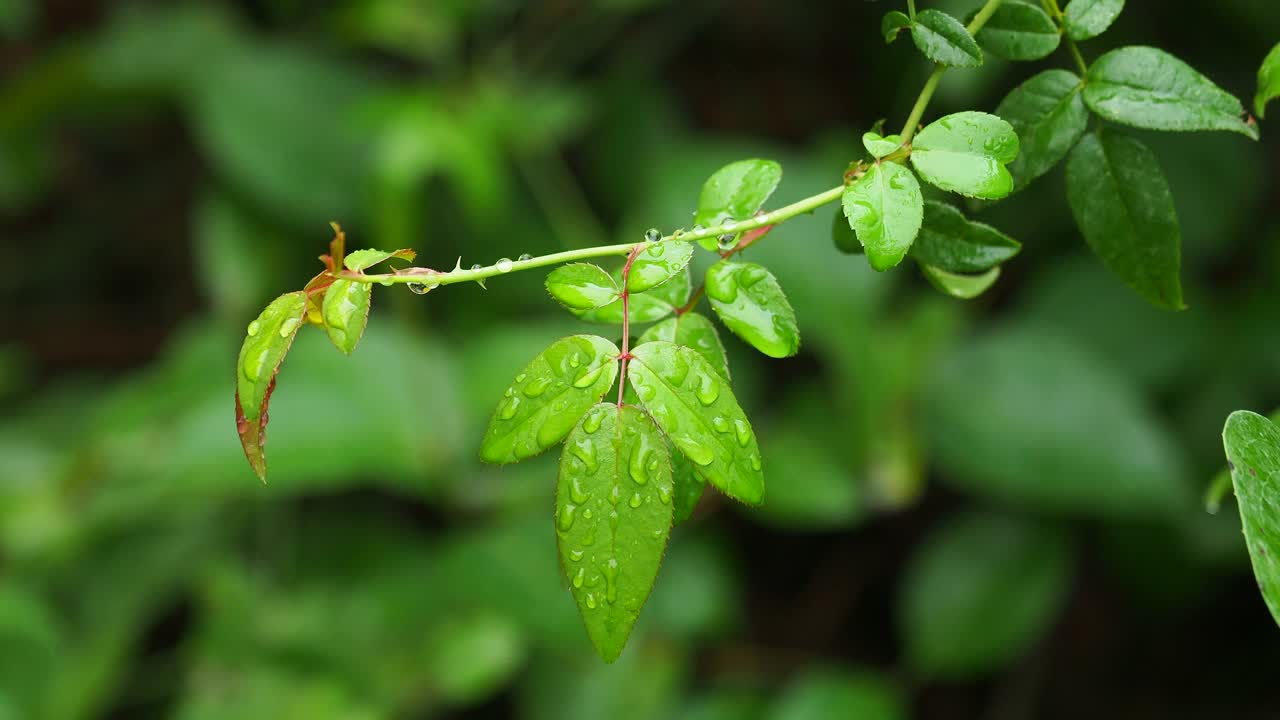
{"x": 1252, "y": 443}
{"x": 750, "y": 302}
{"x": 695, "y": 331}
{"x": 957, "y": 285}
{"x": 549, "y": 396}
{"x": 360, "y": 260}
{"x": 1148, "y": 88}
{"x": 1124, "y": 208}
{"x": 581, "y": 286}
{"x": 735, "y": 192}
{"x": 1019, "y": 31}
{"x": 880, "y": 146}
{"x": 267, "y": 341}
{"x": 613, "y": 516}
{"x": 346, "y": 312}
{"x": 644, "y": 307}
{"x": 699, "y": 414}
{"x": 658, "y": 263}
{"x": 944, "y": 39}
{"x": 949, "y": 242}
{"x": 1268, "y": 81}
{"x": 1049, "y": 116}
{"x": 689, "y": 486}
{"x": 966, "y": 153}
{"x": 885, "y": 209}
{"x": 1085, "y": 19}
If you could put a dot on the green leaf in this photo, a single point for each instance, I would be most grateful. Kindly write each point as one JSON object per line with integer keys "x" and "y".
{"x": 750, "y": 302}
{"x": 963, "y": 287}
{"x": 966, "y": 153}
{"x": 1019, "y": 31}
{"x": 1148, "y": 88}
{"x": 1085, "y": 19}
{"x": 880, "y": 146}
{"x": 979, "y": 591}
{"x": 1125, "y": 210}
{"x": 698, "y": 412}
{"x": 346, "y": 312}
{"x": 835, "y": 694}
{"x": 549, "y": 396}
{"x": 885, "y": 209}
{"x": 944, "y": 39}
{"x": 658, "y": 263}
{"x": 1252, "y": 443}
{"x": 689, "y": 486}
{"x": 735, "y": 192}
{"x": 894, "y": 22}
{"x": 1268, "y": 81}
{"x": 1049, "y": 116}
{"x": 842, "y": 235}
{"x": 360, "y": 260}
{"x": 949, "y": 242}
{"x": 695, "y": 331}
{"x": 267, "y": 341}
{"x": 649, "y": 306}
{"x": 613, "y": 516}
{"x": 581, "y": 286}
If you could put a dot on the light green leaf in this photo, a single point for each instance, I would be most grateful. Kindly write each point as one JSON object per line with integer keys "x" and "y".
{"x": 1268, "y": 81}
{"x": 1148, "y": 88}
{"x": 885, "y": 209}
{"x": 581, "y": 286}
{"x": 549, "y": 396}
{"x": 649, "y": 306}
{"x": 893, "y": 22}
{"x": 1085, "y": 19}
{"x": 346, "y": 312}
{"x": 735, "y": 192}
{"x": 944, "y": 39}
{"x": 1252, "y": 443}
{"x": 750, "y": 302}
{"x": 658, "y": 263}
{"x": 360, "y": 260}
{"x": 695, "y": 331}
{"x": 880, "y": 146}
{"x": 834, "y": 694}
{"x": 964, "y": 287}
{"x": 1124, "y": 208}
{"x": 949, "y": 242}
{"x": 979, "y": 591}
{"x": 1019, "y": 31}
{"x": 1049, "y": 116}
{"x": 966, "y": 153}
{"x": 267, "y": 341}
{"x": 698, "y": 412}
{"x": 613, "y": 516}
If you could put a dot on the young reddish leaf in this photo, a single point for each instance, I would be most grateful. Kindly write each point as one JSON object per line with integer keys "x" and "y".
{"x": 337, "y": 249}
{"x": 266, "y": 343}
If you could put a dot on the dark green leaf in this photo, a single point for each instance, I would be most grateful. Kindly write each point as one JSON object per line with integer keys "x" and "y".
{"x": 750, "y": 302}
{"x": 885, "y": 209}
{"x": 842, "y": 235}
{"x": 692, "y": 330}
{"x": 1019, "y": 31}
{"x": 698, "y": 412}
{"x": 346, "y": 312}
{"x": 966, "y": 153}
{"x": 979, "y": 591}
{"x": 658, "y": 263}
{"x": 894, "y": 22}
{"x": 944, "y": 39}
{"x": 949, "y": 242}
{"x": 880, "y": 146}
{"x": 549, "y": 396}
{"x": 266, "y": 343}
{"x": 1268, "y": 81}
{"x": 1123, "y": 206}
{"x": 649, "y": 306}
{"x": 1084, "y": 19}
{"x": 839, "y": 695}
{"x": 963, "y": 287}
{"x": 613, "y": 515}
{"x": 1148, "y": 88}
{"x": 361, "y": 260}
{"x": 581, "y": 286}
{"x": 1049, "y": 116}
{"x": 689, "y": 486}
{"x": 735, "y": 192}
{"x": 1252, "y": 443}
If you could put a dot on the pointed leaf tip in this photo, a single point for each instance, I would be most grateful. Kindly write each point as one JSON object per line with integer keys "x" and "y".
{"x": 267, "y": 341}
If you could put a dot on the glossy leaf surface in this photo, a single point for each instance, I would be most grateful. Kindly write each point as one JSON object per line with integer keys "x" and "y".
{"x": 267, "y": 341}
{"x": 1084, "y": 19}
{"x": 1268, "y": 81}
{"x": 735, "y": 192}
{"x": 960, "y": 286}
{"x": 1252, "y": 443}
{"x": 361, "y": 260}
{"x": 950, "y": 242}
{"x": 658, "y": 263}
{"x": 1019, "y": 31}
{"x": 885, "y": 209}
{"x": 692, "y": 330}
{"x": 750, "y": 302}
{"x": 649, "y": 306}
{"x": 944, "y": 39}
{"x": 346, "y": 312}
{"x": 966, "y": 153}
{"x": 581, "y": 286}
{"x": 880, "y": 146}
{"x": 1049, "y": 116}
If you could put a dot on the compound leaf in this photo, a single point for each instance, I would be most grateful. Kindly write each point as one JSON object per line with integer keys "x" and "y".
{"x": 885, "y": 208}
{"x": 750, "y": 302}
{"x": 966, "y": 153}
{"x": 267, "y": 341}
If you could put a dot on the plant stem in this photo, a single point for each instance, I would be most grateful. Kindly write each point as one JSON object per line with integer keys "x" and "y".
{"x": 911, "y": 8}
{"x": 1051, "y": 6}
{"x": 626, "y": 322}
{"x": 1075, "y": 53}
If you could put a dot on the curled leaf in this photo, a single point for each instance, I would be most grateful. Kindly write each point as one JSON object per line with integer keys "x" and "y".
{"x": 267, "y": 341}
{"x": 963, "y": 287}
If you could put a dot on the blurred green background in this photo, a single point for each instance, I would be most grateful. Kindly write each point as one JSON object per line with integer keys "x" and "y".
{"x": 986, "y": 510}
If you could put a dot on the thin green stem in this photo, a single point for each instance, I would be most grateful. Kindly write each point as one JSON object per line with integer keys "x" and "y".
{"x": 911, "y": 8}
{"x": 1075, "y": 53}
{"x": 1051, "y": 7}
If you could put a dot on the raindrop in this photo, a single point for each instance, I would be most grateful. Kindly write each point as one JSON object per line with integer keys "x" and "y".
{"x": 503, "y": 265}
{"x": 750, "y": 275}
{"x": 592, "y": 423}
{"x": 615, "y": 496}
{"x": 385, "y": 282}
{"x": 755, "y": 462}
{"x": 664, "y": 494}
{"x": 253, "y": 328}
{"x": 576, "y": 493}
{"x": 418, "y": 288}
{"x": 586, "y": 452}
{"x": 565, "y": 519}
{"x": 699, "y": 228}
{"x": 575, "y": 555}
{"x": 656, "y": 250}
{"x": 587, "y": 513}
{"x": 476, "y": 267}
{"x": 652, "y": 235}
{"x": 574, "y": 360}
{"x": 288, "y": 326}
{"x": 697, "y": 452}
{"x": 611, "y": 580}
{"x": 537, "y": 386}
{"x": 579, "y": 577}
{"x": 591, "y": 600}
{"x": 524, "y": 257}
{"x": 635, "y": 500}
{"x": 708, "y": 390}
{"x": 720, "y": 424}
{"x": 726, "y": 242}
{"x": 743, "y": 431}
{"x": 521, "y": 377}
{"x": 639, "y": 464}
{"x": 588, "y": 376}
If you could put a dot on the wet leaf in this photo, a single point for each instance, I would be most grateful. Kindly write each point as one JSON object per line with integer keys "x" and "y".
{"x": 1084, "y": 19}
{"x": 613, "y": 516}
{"x": 547, "y": 398}
{"x": 1124, "y": 208}
{"x": 842, "y": 235}
{"x": 950, "y": 242}
{"x": 885, "y": 209}
{"x": 1252, "y": 443}
{"x": 880, "y": 146}
{"x": 894, "y": 21}
{"x": 360, "y": 260}
{"x": 689, "y": 486}
{"x": 267, "y": 341}
{"x": 649, "y": 306}
{"x": 944, "y": 39}
{"x": 658, "y": 263}
{"x": 1049, "y": 116}
{"x": 346, "y": 312}
{"x": 692, "y": 330}
{"x": 961, "y": 286}
{"x": 581, "y": 286}
{"x": 1268, "y": 81}
{"x": 735, "y": 192}
{"x": 1019, "y": 31}
{"x": 750, "y": 302}
{"x": 1148, "y": 88}
{"x": 697, "y": 410}
{"x": 966, "y": 153}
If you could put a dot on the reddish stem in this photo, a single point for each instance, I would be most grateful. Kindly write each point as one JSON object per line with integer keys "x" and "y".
{"x": 626, "y": 322}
